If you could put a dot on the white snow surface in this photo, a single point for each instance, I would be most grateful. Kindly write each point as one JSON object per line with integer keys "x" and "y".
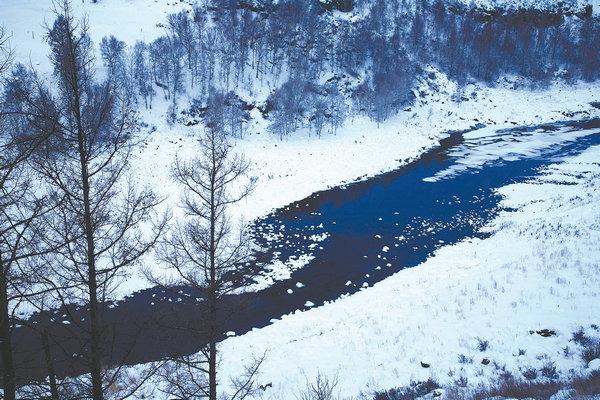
{"x": 129, "y": 20}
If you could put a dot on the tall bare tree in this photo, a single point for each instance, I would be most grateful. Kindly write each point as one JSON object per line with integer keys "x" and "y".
{"x": 24, "y": 205}
{"x": 21, "y": 207}
{"x": 208, "y": 254}
{"x": 104, "y": 225}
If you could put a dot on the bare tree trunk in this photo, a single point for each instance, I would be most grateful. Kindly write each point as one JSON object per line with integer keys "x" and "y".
{"x": 212, "y": 365}
{"x": 95, "y": 351}
{"x": 8, "y": 368}
{"x": 50, "y": 366}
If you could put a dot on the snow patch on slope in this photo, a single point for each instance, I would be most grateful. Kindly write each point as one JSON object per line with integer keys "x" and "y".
{"x": 129, "y": 20}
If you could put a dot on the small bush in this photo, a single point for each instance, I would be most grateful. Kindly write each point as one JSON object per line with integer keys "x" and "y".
{"x": 549, "y": 371}
{"x": 462, "y": 359}
{"x": 591, "y": 352}
{"x": 506, "y": 375}
{"x": 411, "y": 392}
{"x": 581, "y": 338}
{"x": 482, "y": 345}
{"x": 322, "y": 388}
{"x": 530, "y": 374}
{"x": 461, "y": 382}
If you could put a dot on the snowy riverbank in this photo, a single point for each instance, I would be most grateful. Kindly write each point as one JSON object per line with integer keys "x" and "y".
{"x": 538, "y": 270}
{"x": 292, "y": 169}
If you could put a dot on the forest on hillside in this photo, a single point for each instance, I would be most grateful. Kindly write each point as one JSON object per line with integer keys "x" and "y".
{"x": 329, "y": 63}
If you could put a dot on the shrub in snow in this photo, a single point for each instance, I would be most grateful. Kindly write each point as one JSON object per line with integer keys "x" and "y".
{"x": 581, "y": 338}
{"x": 413, "y": 391}
{"x": 462, "y": 381}
{"x": 530, "y": 374}
{"x": 323, "y": 388}
{"x": 462, "y": 359}
{"x": 482, "y": 345}
{"x": 591, "y": 352}
{"x": 549, "y": 371}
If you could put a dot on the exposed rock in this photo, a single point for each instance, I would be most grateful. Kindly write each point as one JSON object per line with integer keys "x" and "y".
{"x": 544, "y": 332}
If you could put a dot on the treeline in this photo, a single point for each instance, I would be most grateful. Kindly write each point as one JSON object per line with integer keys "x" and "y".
{"x": 327, "y": 66}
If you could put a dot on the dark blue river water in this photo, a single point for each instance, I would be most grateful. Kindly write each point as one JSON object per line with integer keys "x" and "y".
{"x": 396, "y": 220}
{"x": 373, "y": 229}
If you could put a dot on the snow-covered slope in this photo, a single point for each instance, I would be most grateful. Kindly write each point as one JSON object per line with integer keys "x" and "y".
{"x": 129, "y": 20}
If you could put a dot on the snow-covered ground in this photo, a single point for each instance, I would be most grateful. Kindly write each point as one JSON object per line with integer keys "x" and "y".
{"x": 540, "y": 269}
{"x": 26, "y": 21}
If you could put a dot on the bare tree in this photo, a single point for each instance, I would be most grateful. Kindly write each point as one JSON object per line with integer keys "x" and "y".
{"x": 322, "y": 388}
{"x": 5, "y": 51}
{"x": 208, "y": 254}
{"x": 22, "y": 204}
{"x": 20, "y": 210}
{"x": 104, "y": 225}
